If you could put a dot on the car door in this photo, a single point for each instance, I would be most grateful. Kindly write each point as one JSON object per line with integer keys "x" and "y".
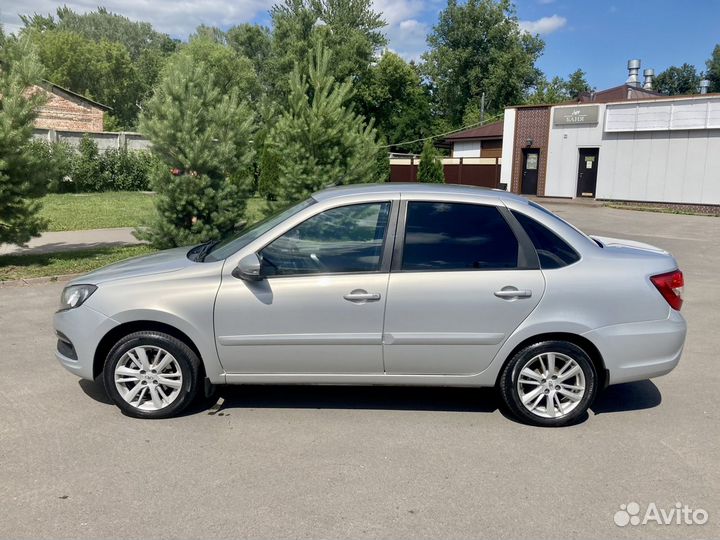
{"x": 461, "y": 283}
{"x": 319, "y": 305}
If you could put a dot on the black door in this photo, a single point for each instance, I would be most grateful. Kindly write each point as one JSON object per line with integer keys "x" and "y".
{"x": 587, "y": 172}
{"x": 531, "y": 160}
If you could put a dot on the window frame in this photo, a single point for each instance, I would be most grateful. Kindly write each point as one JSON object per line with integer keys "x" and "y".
{"x": 542, "y": 225}
{"x": 385, "y": 252}
{"x": 527, "y": 256}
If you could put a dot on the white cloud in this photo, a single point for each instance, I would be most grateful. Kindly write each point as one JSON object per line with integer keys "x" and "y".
{"x": 405, "y": 32}
{"x": 177, "y": 18}
{"x": 544, "y": 25}
{"x": 546, "y": 2}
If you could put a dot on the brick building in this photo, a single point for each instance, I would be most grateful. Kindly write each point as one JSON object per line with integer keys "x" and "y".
{"x": 65, "y": 110}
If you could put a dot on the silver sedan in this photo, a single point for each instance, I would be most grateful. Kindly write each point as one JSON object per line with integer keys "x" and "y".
{"x": 383, "y": 285}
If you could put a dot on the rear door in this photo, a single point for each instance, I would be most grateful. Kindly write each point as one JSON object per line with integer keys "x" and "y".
{"x": 461, "y": 283}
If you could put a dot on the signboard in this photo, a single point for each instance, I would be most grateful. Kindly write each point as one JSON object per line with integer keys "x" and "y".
{"x": 532, "y": 162}
{"x": 582, "y": 114}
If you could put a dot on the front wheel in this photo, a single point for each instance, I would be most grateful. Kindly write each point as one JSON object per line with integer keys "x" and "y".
{"x": 550, "y": 383}
{"x": 151, "y": 375}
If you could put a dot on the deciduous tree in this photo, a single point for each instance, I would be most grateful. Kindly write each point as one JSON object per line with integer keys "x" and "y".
{"x": 678, "y": 80}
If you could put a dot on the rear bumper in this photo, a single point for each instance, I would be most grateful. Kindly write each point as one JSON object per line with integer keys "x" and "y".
{"x": 80, "y": 331}
{"x": 638, "y": 351}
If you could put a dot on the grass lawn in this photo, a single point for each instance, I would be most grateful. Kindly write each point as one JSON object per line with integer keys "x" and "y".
{"x": 72, "y": 212}
{"x": 67, "y": 262}
{"x": 81, "y": 211}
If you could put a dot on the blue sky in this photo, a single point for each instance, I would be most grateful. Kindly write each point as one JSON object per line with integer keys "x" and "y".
{"x": 598, "y": 36}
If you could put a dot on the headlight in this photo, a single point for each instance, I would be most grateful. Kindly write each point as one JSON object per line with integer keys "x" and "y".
{"x": 74, "y": 296}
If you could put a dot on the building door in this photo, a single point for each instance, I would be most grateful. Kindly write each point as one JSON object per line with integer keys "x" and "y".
{"x": 587, "y": 172}
{"x": 531, "y": 159}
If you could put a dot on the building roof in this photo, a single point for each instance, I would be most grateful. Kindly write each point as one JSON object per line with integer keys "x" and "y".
{"x": 59, "y": 90}
{"x": 618, "y": 93}
{"x": 488, "y": 131}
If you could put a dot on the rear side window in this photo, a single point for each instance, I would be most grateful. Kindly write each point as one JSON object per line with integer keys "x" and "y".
{"x": 552, "y": 251}
{"x": 456, "y": 236}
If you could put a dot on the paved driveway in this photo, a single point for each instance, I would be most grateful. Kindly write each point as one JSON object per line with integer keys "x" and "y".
{"x": 279, "y": 462}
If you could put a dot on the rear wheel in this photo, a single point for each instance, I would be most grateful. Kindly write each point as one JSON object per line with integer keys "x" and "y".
{"x": 151, "y": 375}
{"x": 550, "y": 383}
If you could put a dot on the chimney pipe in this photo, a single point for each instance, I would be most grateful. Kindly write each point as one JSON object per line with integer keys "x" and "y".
{"x": 633, "y": 67}
{"x": 649, "y": 75}
{"x": 704, "y": 85}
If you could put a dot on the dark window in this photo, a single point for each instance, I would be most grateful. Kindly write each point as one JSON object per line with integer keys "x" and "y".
{"x": 454, "y": 236}
{"x": 343, "y": 239}
{"x": 552, "y": 251}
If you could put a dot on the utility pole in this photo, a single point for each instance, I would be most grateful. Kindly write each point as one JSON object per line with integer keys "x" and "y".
{"x": 482, "y": 109}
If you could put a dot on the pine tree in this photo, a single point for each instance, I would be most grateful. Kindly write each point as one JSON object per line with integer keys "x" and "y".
{"x": 202, "y": 136}
{"x": 23, "y": 174}
{"x": 269, "y": 173}
{"x": 430, "y": 169}
{"x": 318, "y": 138}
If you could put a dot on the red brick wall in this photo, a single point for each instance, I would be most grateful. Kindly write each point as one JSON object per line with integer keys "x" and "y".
{"x": 530, "y": 123}
{"x": 68, "y": 113}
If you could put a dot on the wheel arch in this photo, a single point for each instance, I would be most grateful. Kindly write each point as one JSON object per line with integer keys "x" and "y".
{"x": 124, "y": 329}
{"x": 585, "y": 344}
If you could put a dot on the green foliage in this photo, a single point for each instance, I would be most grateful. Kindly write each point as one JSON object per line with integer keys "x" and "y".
{"x": 558, "y": 89}
{"x": 255, "y": 43}
{"x": 430, "y": 169}
{"x": 269, "y": 174}
{"x": 577, "y": 84}
{"x": 23, "y": 175}
{"x": 713, "y": 70}
{"x": 86, "y": 172}
{"x": 58, "y": 159}
{"x": 395, "y": 97}
{"x": 678, "y": 80}
{"x": 319, "y": 139}
{"x": 478, "y": 47}
{"x": 382, "y": 166}
{"x": 350, "y": 29}
{"x": 202, "y": 134}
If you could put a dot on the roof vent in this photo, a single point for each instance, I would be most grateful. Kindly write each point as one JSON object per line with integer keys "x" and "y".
{"x": 649, "y": 75}
{"x": 704, "y": 85}
{"x": 633, "y": 73}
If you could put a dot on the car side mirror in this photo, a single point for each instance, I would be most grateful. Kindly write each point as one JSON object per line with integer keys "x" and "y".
{"x": 248, "y": 268}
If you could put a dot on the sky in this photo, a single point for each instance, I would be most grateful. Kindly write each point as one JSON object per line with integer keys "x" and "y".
{"x": 597, "y": 36}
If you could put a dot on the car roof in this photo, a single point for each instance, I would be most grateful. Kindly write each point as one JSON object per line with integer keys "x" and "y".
{"x": 414, "y": 188}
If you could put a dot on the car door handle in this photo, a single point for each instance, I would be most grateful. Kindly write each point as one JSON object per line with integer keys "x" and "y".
{"x": 513, "y": 293}
{"x": 361, "y": 296}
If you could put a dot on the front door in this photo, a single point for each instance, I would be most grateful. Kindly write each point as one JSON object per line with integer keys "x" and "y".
{"x": 319, "y": 307}
{"x": 587, "y": 172}
{"x": 458, "y": 292}
{"x": 531, "y": 161}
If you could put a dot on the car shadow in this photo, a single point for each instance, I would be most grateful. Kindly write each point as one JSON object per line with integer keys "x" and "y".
{"x": 618, "y": 398}
{"x": 632, "y": 396}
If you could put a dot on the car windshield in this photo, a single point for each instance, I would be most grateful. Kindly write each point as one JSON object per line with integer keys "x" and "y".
{"x": 234, "y": 242}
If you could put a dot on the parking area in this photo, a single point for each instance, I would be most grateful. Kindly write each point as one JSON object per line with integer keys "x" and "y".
{"x": 309, "y": 462}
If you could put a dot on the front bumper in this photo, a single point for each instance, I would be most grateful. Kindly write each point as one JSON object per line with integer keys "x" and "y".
{"x": 81, "y": 329}
{"x": 639, "y": 351}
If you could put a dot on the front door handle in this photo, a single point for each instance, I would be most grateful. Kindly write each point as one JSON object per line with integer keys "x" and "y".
{"x": 512, "y": 292}
{"x": 360, "y": 296}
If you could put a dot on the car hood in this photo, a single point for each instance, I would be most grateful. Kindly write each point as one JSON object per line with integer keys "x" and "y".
{"x": 632, "y": 244}
{"x": 169, "y": 260}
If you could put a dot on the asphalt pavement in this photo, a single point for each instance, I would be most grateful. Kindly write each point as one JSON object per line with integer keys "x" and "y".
{"x": 339, "y": 462}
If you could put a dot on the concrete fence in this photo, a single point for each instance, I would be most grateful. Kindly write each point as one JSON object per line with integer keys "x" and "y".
{"x": 105, "y": 140}
{"x": 469, "y": 171}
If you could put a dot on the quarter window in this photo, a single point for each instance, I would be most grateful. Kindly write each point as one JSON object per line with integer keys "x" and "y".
{"x": 456, "y": 236}
{"x": 552, "y": 251}
{"x": 343, "y": 239}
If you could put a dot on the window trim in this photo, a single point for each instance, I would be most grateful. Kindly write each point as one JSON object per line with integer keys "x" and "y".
{"x": 527, "y": 256}
{"x": 385, "y": 252}
{"x": 513, "y": 211}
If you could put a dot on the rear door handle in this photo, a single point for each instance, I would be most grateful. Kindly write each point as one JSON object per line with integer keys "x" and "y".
{"x": 513, "y": 293}
{"x": 361, "y": 296}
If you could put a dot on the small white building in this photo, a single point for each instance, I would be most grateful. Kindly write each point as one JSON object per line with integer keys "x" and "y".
{"x": 649, "y": 149}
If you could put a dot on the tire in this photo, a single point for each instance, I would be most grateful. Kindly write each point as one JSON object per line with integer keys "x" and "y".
{"x": 167, "y": 391}
{"x": 526, "y": 378}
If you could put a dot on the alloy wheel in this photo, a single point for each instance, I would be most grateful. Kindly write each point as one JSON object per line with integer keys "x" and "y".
{"x": 148, "y": 378}
{"x": 551, "y": 385}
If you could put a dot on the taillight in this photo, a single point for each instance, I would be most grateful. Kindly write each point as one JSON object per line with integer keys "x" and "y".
{"x": 670, "y": 286}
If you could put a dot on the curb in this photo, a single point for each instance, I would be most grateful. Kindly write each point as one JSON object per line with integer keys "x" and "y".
{"x": 37, "y": 281}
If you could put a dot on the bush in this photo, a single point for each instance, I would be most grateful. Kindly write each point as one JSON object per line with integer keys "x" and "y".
{"x": 57, "y": 159}
{"x": 431, "y": 168}
{"x": 124, "y": 170}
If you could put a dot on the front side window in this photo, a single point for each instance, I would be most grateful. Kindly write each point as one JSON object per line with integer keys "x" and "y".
{"x": 552, "y": 251}
{"x": 339, "y": 240}
{"x": 457, "y": 236}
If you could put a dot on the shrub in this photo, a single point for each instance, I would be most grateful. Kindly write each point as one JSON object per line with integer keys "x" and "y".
{"x": 431, "y": 168}
{"x": 123, "y": 170}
